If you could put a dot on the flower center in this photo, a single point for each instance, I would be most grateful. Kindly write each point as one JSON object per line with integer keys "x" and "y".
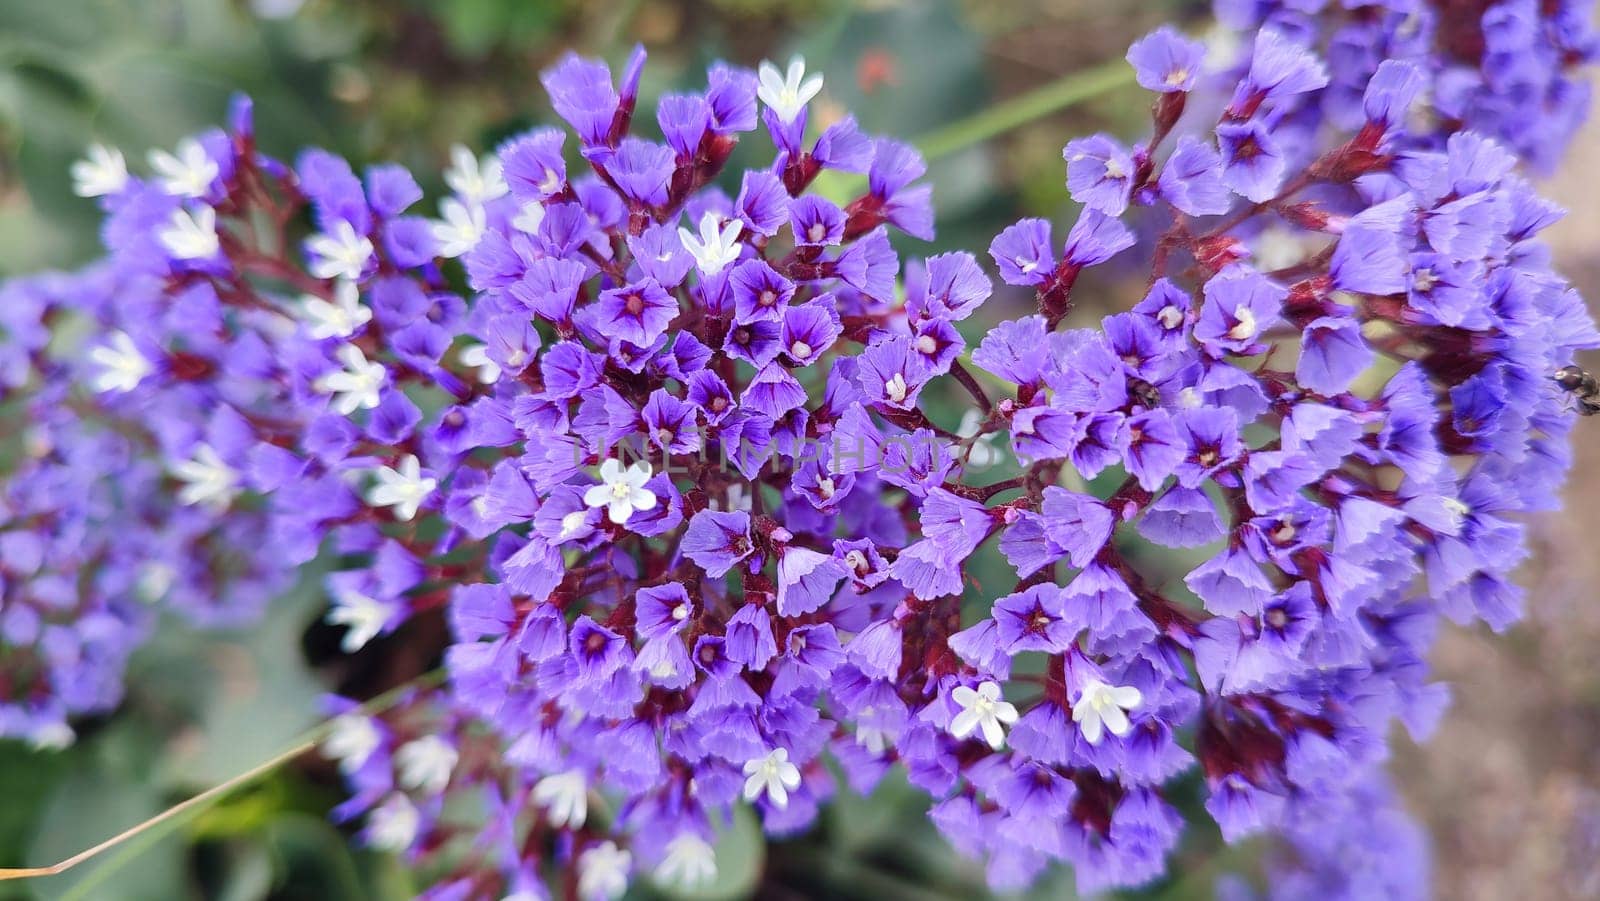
{"x": 1244, "y": 325}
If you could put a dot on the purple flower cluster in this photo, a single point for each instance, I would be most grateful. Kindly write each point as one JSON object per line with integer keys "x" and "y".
{"x": 86, "y": 559}
{"x": 1505, "y": 69}
{"x": 654, "y": 438}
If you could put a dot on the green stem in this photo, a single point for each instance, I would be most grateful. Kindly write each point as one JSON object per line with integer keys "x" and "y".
{"x": 1075, "y": 87}
{"x": 134, "y": 842}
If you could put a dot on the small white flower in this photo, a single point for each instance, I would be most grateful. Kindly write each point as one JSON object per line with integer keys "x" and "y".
{"x": 357, "y": 385}
{"x": 1101, "y": 708}
{"x": 476, "y": 182}
{"x": 716, "y": 248}
{"x": 621, "y": 491}
{"x": 773, "y": 776}
{"x": 392, "y": 826}
{"x": 982, "y": 710}
{"x": 461, "y": 228}
{"x": 103, "y": 171}
{"x": 362, "y": 616}
{"x": 189, "y": 173}
{"x": 340, "y": 317}
{"x": 690, "y": 862}
{"x": 788, "y": 94}
{"x": 425, "y": 764}
{"x": 404, "y": 489}
{"x": 342, "y": 254}
{"x": 477, "y": 356}
{"x": 191, "y": 235}
{"x": 351, "y": 740}
{"x": 1170, "y": 317}
{"x": 603, "y": 872}
{"x": 208, "y": 479}
{"x": 122, "y": 366}
{"x": 529, "y": 218}
{"x": 565, "y": 797}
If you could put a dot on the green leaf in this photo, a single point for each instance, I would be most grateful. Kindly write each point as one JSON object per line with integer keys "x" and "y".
{"x": 260, "y": 697}
{"x": 108, "y": 790}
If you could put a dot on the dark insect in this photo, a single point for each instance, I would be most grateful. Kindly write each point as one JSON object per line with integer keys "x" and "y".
{"x": 1582, "y": 386}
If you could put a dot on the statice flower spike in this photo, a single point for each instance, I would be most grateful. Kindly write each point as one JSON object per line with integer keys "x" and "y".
{"x": 1336, "y": 369}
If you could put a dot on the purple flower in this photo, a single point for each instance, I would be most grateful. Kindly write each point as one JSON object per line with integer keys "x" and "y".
{"x": 891, "y": 374}
{"x": 1279, "y": 69}
{"x": 905, "y": 206}
{"x": 1078, "y": 524}
{"x": 809, "y": 330}
{"x": 1165, "y": 61}
{"x": 1192, "y": 179}
{"x": 1099, "y": 173}
{"x": 641, "y": 169}
{"x": 1230, "y": 583}
{"x": 638, "y": 313}
{"x": 756, "y": 342}
{"x": 1252, "y": 163}
{"x": 1095, "y": 238}
{"x": 759, "y": 292}
{"x": 717, "y": 541}
{"x": 1240, "y": 305}
{"x": 1369, "y": 262}
{"x": 955, "y": 287}
{"x": 581, "y": 92}
{"x": 1332, "y": 354}
{"x": 533, "y": 165}
{"x": 806, "y": 580}
{"x": 1033, "y": 620}
{"x": 1022, "y": 253}
{"x": 749, "y": 638}
{"x": 815, "y": 222}
{"x": 763, "y": 203}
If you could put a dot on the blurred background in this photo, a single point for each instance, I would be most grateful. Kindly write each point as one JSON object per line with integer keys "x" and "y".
{"x": 1509, "y": 788}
